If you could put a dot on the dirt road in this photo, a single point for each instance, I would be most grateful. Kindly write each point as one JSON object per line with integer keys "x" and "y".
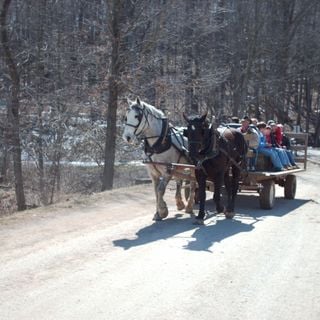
{"x": 103, "y": 258}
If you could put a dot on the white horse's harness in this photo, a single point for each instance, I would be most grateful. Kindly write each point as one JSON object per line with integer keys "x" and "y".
{"x": 164, "y": 141}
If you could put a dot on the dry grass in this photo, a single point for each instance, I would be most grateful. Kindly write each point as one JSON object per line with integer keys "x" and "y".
{"x": 75, "y": 180}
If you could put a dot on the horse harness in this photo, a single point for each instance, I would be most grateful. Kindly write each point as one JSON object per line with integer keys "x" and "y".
{"x": 164, "y": 141}
{"x": 213, "y": 148}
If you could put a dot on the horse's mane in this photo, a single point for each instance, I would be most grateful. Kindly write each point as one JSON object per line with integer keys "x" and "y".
{"x": 152, "y": 110}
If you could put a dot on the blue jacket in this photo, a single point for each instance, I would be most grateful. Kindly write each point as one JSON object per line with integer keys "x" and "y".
{"x": 262, "y": 141}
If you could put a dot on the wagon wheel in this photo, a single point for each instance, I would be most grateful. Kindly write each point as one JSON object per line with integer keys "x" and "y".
{"x": 187, "y": 190}
{"x": 290, "y": 186}
{"x": 187, "y": 193}
{"x": 267, "y": 194}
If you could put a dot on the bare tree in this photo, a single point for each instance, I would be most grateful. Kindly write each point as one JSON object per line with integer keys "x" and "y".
{"x": 13, "y": 107}
{"x": 113, "y": 84}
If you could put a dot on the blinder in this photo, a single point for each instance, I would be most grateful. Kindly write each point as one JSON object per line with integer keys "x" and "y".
{"x": 185, "y": 133}
{"x": 202, "y": 136}
{"x": 207, "y": 132}
{"x": 139, "y": 117}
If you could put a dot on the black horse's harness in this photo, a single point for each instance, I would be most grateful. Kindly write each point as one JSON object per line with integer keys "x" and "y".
{"x": 213, "y": 149}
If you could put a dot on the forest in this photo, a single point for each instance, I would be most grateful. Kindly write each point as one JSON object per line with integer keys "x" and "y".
{"x": 67, "y": 68}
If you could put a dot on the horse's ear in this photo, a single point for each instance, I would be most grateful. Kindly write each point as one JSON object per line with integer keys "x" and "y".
{"x": 138, "y": 102}
{"x": 185, "y": 117}
{"x": 130, "y": 102}
{"x": 203, "y": 117}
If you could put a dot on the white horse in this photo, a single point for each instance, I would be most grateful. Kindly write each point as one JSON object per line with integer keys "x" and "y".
{"x": 163, "y": 144}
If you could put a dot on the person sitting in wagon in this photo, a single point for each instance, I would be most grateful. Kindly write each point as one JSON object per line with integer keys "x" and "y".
{"x": 266, "y": 149}
{"x": 276, "y": 140}
{"x": 251, "y": 137}
{"x": 281, "y": 153}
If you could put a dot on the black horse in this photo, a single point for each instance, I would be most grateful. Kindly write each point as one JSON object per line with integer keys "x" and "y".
{"x": 219, "y": 156}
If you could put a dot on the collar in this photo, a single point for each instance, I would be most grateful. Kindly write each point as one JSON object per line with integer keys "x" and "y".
{"x": 163, "y": 142}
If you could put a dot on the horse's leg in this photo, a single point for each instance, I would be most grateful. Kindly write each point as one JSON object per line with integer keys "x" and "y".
{"x": 235, "y": 184}
{"x": 161, "y": 204}
{"x": 232, "y": 185}
{"x": 178, "y": 197}
{"x": 201, "y": 179}
{"x": 218, "y": 182}
{"x": 189, "y": 207}
{"x": 155, "y": 182}
{"x": 228, "y": 185}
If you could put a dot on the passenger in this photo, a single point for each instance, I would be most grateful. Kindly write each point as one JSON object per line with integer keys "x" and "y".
{"x": 286, "y": 142}
{"x": 266, "y": 149}
{"x": 245, "y": 123}
{"x": 235, "y": 119}
{"x": 270, "y": 139}
{"x": 251, "y": 137}
{"x": 286, "y": 145}
{"x": 254, "y": 121}
{"x": 285, "y": 155}
{"x": 247, "y": 118}
{"x": 277, "y": 133}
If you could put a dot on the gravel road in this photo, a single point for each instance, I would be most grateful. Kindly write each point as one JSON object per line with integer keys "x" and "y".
{"x": 102, "y": 257}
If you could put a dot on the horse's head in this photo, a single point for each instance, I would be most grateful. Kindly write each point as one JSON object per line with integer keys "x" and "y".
{"x": 133, "y": 120}
{"x": 197, "y": 134}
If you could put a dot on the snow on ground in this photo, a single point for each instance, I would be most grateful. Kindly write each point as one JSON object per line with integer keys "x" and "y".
{"x": 314, "y": 154}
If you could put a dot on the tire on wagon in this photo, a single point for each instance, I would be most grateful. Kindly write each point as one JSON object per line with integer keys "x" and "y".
{"x": 187, "y": 193}
{"x": 267, "y": 194}
{"x": 290, "y": 187}
{"x": 187, "y": 190}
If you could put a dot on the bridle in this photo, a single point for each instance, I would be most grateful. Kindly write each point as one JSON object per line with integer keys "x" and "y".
{"x": 141, "y": 113}
{"x": 198, "y": 141}
{"x": 205, "y": 144}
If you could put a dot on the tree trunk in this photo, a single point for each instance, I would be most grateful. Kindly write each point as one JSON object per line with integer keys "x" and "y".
{"x": 13, "y": 109}
{"x": 298, "y": 101}
{"x": 110, "y": 146}
{"x": 4, "y": 161}
{"x": 317, "y": 126}
{"x": 308, "y": 102}
{"x": 42, "y": 185}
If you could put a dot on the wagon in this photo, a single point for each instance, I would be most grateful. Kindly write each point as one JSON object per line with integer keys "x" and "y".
{"x": 261, "y": 181}
{"x": 264, "y": 181}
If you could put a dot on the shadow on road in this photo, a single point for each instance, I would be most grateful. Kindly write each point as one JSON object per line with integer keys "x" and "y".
{"x": 203, "y": 238}
{"x": 248, "y": 205}
{"x": 248, "y": 213}
{"x": 157, "y": 231}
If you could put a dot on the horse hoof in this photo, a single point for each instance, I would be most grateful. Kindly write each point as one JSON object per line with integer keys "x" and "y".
{"x": 229, "y": 214}
{"x": 156, "y": 217}
{"x": 180, "y": 206}
{"x": 189, "y": 210}
{"x": 163, "y": 213}
{"x": 198, "y": 222}
{"x": 221, "y": 210}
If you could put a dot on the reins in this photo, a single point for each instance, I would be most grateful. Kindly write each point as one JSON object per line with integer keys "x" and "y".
{"x": 214, "y": 150}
